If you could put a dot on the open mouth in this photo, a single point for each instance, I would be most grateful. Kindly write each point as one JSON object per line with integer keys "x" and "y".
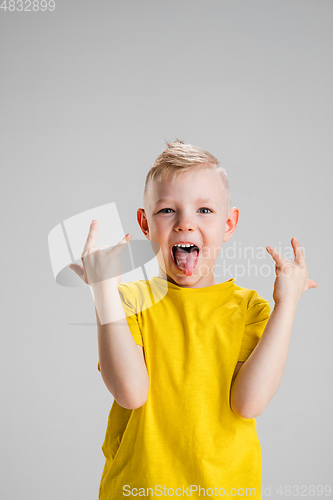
{"x": 185, "y": 258}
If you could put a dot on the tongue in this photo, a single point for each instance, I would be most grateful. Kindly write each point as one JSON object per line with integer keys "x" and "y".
{"x": 186, "y": 261}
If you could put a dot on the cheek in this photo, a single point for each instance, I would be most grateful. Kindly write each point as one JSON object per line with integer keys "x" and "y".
{"x": 213, "y": 246}
{"x": 210, "y": 253}
{"x": 161, "y": 227}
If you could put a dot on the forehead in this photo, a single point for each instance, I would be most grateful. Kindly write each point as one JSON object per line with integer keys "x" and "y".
{"x": 199, "y": 185}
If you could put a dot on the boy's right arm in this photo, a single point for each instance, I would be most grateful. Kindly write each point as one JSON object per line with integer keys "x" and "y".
{"x": 122, "y": 366}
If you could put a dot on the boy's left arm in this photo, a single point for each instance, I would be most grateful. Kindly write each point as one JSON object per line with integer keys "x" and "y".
{"x": 257, "y": 379}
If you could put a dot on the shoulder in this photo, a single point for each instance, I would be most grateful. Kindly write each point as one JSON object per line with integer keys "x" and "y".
{"x": 254, "y": 307}
{"x": 137, "y": 294}
{"x": 250, "y": 296}
{"x": 133, "y": 288}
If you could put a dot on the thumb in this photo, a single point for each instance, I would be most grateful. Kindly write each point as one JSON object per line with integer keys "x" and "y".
{"x": 310, "y": 284}
{"x": 77, "y": 270}
{"x": 116, "y": 250}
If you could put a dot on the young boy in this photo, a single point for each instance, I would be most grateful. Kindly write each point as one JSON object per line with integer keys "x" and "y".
{"x": 208, "y": 356}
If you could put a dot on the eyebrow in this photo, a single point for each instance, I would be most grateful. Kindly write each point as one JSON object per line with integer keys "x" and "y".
{"x": 201, "y": 200}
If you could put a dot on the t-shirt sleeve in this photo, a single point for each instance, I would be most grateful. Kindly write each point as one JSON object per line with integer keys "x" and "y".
{"x": 257, "y": 315}
{"x": 129, "y": 304}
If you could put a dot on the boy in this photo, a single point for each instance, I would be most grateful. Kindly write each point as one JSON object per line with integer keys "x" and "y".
{"x": 183, "y": 419}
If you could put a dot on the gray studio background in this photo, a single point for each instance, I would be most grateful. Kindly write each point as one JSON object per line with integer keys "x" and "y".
{"x": 88, "y": 94}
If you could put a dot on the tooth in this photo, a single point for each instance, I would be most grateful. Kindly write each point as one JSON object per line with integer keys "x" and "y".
{"x": 184, "y": 245}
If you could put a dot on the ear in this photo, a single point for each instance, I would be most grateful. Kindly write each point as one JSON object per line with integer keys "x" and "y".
{"x": 143, "y": 221}
{"x": 231, "y": 223}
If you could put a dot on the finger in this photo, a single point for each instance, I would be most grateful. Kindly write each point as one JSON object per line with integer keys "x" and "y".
{"x": 121, "y": 245}
{"x": 310, "y": 284}
{"x": 92, "y": 236}
{"x": 125, "y": 238}
{"x": 78, "y": 270}
{"x": 276, "y": 256}
{"x": 299, "y": 256}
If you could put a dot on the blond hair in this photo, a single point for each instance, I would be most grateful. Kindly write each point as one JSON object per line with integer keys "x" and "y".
{"x": 178, "y": 158}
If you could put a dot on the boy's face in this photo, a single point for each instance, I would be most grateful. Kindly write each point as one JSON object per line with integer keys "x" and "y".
{"x": 189, "y": 209}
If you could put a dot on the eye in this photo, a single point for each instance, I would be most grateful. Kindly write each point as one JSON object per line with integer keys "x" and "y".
{"x": 202, "y": 208}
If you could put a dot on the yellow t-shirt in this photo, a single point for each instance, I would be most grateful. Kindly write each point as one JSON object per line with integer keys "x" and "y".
{"x": 186, "y": 435}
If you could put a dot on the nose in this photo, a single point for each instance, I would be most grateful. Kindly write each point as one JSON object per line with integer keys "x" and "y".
{"x": 184, "y": 223}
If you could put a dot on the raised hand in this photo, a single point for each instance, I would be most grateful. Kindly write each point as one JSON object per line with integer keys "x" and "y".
{"x": 291, "y": 277}
{"x": 100, "y": 263}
